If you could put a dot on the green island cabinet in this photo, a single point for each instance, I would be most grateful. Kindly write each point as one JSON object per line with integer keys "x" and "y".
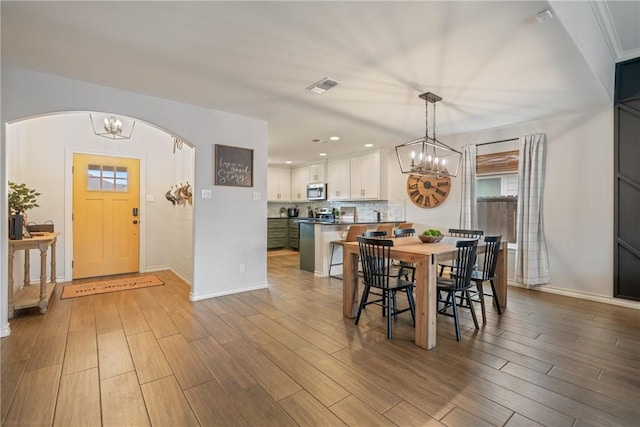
{"x": 277, "y": 232}
{"x": 294, "y": 234}
{"x": 282, "y": 233}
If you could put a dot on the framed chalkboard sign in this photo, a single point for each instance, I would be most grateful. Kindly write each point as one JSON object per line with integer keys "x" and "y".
{"x": 233, "y": 166}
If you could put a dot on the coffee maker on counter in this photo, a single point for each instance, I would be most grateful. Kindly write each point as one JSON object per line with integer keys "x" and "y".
{"x": 325, "y": 215}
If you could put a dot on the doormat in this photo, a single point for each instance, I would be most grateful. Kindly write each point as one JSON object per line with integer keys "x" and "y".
{"x": 105, "y": 286}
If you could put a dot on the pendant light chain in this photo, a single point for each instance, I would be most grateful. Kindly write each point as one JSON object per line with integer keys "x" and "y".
{"x": 426, "y": 119}
{"x": 434, "y": 121}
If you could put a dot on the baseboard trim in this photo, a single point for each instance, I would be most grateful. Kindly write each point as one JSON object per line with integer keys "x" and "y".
{"x": 580, "y": 295}
{"x": 183, "y": 277}
{"x": 171, "y": 269}
{"x": 5, "y": 331}
{"x": 262, "y": 285}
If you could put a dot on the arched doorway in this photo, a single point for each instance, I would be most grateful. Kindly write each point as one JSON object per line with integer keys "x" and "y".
{"x": 40, "y": 153}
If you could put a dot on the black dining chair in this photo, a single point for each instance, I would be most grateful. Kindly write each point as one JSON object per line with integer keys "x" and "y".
{"x": 488, "y": 273}
{"x": 376, "y": 266}
{"x": 458, "y": 283}
{"x": 405, "y": 267}
{"x": 461, "y": 233}
{"x": 374, "y": 234}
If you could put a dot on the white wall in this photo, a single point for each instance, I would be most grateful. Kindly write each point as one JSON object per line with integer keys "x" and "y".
{"x": 219, "y": 248}
{"x": 578, "y": 200}
{"x": 40, "y": 154}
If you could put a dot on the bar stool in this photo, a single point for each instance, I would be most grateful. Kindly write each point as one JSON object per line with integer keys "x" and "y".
{"x": 386, "y": 227}
{"x": 353, "y": 232}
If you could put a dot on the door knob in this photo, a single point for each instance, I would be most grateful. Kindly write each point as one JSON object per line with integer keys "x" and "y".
{"x": 135, "y": 221}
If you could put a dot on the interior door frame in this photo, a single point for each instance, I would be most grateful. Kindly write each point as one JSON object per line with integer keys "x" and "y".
{"x": 68, "y": 207}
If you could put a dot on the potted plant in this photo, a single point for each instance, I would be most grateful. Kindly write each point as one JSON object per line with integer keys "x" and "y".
{"x": 21, "y": 199}
{"x": 283, "y": 212}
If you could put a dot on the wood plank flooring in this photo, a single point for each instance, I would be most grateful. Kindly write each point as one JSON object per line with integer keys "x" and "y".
{"x": 285, "y": 356}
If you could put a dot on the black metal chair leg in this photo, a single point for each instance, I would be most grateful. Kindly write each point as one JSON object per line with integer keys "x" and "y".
{"x": 395, "y": 305}
{"x": 456, "y": 320}
{"x": 473, "y": 312}
{"x": 385, "y": 309}
{"x": 412, "y": 305}
{"x": 333, "y": 246}
{"x": 363, "y": 302}
{"x": 484, "y": 310}
{"x": 495, "y": 297}
{"x": 389, "y": 317}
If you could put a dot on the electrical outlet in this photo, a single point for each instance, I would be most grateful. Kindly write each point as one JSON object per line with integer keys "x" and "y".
{"x": 241, "y": 268}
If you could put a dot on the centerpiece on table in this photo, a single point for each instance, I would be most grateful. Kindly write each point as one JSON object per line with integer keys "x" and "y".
{"x": 21, "y": 199}
{"x": 431, "y": 236}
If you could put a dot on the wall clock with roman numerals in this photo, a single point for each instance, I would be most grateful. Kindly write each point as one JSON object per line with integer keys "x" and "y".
{"x": 428, "y": 191}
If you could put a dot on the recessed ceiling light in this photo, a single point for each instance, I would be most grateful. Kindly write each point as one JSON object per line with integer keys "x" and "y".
{"x": 323, "y": 154}
{"x": 368, "y": 145}
{"x": 288, "y": 162}
{"x": 334, "y": 138}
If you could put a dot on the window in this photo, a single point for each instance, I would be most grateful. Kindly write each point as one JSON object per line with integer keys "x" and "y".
{"x": 497, "y": 193}
{"x": 107, "y": 178}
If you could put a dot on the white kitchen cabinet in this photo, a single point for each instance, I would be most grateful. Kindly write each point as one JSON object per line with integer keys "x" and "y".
{"x": 278, "y": 184}
{"x": 339, "y": 179}
{"x": 316, "y": 172}
{"x": 368, "y": 177}
{"x": 299, "y": 181}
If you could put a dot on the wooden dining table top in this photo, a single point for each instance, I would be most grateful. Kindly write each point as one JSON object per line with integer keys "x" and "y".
{"x": 413, "y": 245}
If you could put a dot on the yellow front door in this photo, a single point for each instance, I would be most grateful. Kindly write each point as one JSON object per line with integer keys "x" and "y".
{"x": 106, "y": 220}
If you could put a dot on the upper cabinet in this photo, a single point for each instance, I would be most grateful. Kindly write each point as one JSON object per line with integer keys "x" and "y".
{"x": 303, "y": 176}
{"x": 278, "y": 184}
{"x": 317, "y": 172}
{"x": 368, "y": 177}
{"x": 339, "y": 179}
{"x": 299, "y": 181}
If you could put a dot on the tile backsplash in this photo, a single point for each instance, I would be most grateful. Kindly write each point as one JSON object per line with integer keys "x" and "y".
{"x": 390, "y": 210}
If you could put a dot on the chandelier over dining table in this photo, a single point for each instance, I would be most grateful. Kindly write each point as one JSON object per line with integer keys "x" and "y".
{"x": 427, "y": 155}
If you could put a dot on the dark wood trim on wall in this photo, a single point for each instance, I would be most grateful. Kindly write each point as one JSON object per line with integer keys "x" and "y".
{"x": 627, "y": 181}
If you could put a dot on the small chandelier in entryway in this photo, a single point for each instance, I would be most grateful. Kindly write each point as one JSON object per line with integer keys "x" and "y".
{"x": 426, "y": 155}
{"x": 112, "y": 127}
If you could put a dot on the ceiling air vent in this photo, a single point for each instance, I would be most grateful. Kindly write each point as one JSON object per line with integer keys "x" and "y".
{"x": 323, "y": 85}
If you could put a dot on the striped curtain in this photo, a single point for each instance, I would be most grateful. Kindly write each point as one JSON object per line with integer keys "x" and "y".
{"x": 532, "y": 262}
{"x": 469, "y": 206}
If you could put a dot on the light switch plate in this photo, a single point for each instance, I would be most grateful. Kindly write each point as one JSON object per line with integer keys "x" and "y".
{"x": 150, "y": 198}
{"x": 257, "y": 196}
{"x": 206, "y": 194}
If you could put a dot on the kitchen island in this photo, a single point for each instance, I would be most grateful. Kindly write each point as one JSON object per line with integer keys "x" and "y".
{"x": 315, "y": 238}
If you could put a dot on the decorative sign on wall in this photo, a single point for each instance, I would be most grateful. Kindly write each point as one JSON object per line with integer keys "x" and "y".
{"x": 233, "y": 166}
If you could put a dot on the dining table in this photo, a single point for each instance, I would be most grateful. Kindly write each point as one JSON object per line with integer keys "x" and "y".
{"x": 425, "y": 257}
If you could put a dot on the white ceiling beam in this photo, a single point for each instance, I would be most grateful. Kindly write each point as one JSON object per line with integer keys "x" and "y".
{"x": 583, "y": 26}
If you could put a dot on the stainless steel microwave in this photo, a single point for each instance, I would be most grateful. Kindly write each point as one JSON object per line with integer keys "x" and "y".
{"x": 317, "y": 191}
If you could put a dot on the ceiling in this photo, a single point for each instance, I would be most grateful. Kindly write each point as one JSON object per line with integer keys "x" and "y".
{"x": 492, "y": 62}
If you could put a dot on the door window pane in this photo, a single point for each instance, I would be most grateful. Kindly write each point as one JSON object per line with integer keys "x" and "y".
{"x": 107, "y": 178}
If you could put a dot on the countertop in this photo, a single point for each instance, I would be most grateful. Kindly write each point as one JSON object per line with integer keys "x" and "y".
{"x": 316, "y": 221}
{"x": 322, "y": 222}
